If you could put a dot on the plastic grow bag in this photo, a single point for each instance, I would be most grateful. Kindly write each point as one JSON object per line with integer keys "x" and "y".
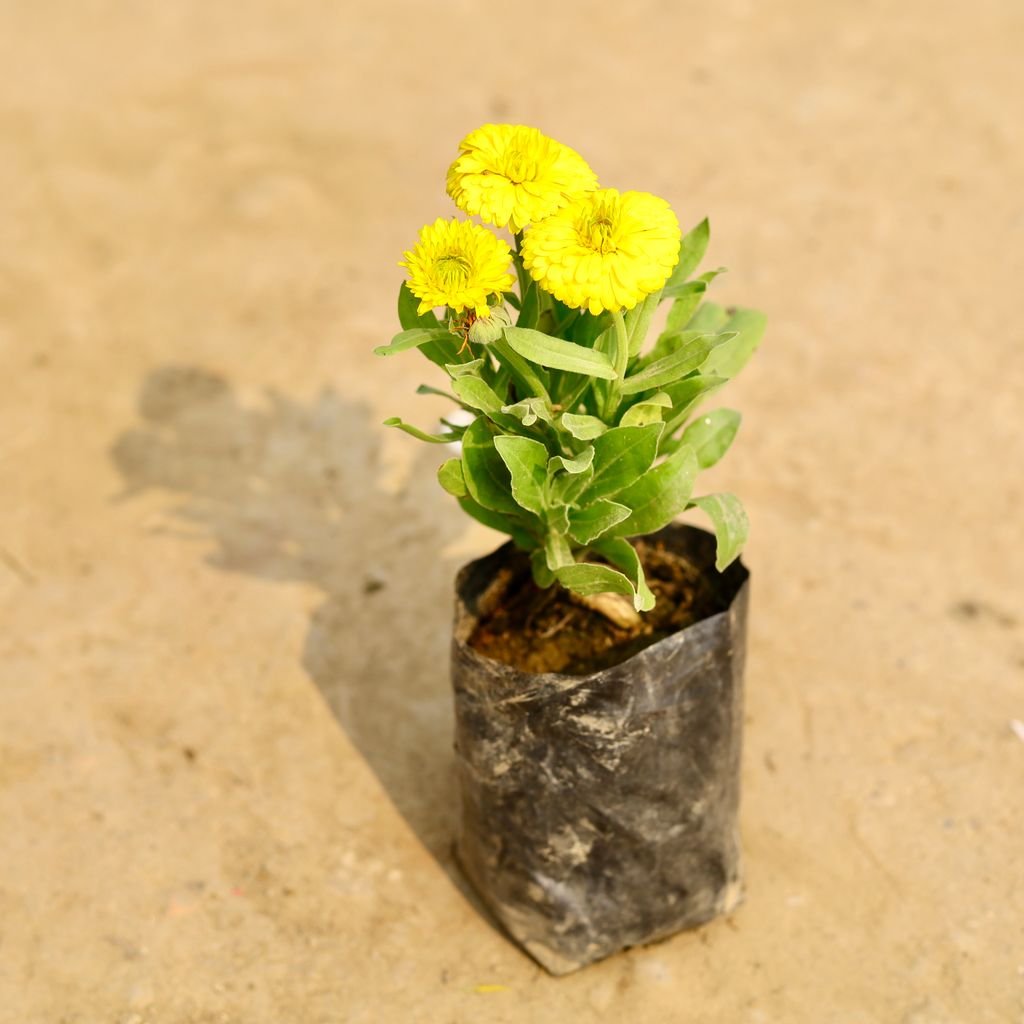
{"x": 600, "y": 811}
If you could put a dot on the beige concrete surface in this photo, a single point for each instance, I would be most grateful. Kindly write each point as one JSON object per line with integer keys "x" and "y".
{"x": 226, "y": 789}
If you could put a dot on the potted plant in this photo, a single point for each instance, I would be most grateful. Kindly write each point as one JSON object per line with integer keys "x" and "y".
{"x": 597, "y": 656}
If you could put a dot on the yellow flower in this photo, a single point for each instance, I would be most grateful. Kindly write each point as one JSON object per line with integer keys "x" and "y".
{"x": 605, "y": 250}
{"x": 457, "y": 264}
{"x": 510, "y": 175}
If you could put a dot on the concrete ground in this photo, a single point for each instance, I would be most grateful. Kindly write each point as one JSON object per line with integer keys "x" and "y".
{"x": 226, "y": 788}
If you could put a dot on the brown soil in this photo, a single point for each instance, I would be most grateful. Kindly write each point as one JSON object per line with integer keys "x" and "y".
{"x": 551, "y": 631}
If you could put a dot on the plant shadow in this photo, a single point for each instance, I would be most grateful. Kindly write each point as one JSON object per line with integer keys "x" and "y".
{"x": 288, "y": 491}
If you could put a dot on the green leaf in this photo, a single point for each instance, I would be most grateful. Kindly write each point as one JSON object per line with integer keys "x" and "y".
{"x": 529, "y": 381}
{"x": 709, "y": 319}
{"x": 650, "y": 410}
{"x": 585, "y": 578}
{"x": 683, "y": 308}
{"x": 709, "y": 275}
{"x": 692, "y": 247}
{"x": 442, "y": 349}
{"x": 449, "y": 475}
{"x": 588, "y": 328}
{"x": 729, "y": 519}
{"x": 529, "y": 311}
{"x": 556, "y": 516}
{"x": 685, "y": 288}
{"x": 671, "y": 341}
{"x": 729, "y": 358}
{"x": 396, "y": 421}
{"x": 607, "y": 343}
{"x": 487, "y": 477}
{"x": 542, "y": 575}
{"x": 577, "y": 465}
{"x": 621, "y": 456}
{"x": 559, "y": 354}
{"x": 502, "y": 523}
{"x": 501, "y": 380}
{"x": 667, "y": 343}
{"x": 658, "y": 496}
{"x": 583, "y": 428}
{"x": 478, "y": 395}
{"x": 557, "y": 551}
{"x": 427, "y": 389}
{"x": 470, "y": 369}
{"x": 444, "y": 352}
{"x": 413, "y": 339}
{"x": 527, "y": 462}
{"x": 567, "y": 480}
{"x": 573, "y": 388}
{"x": 711, "y": 434}
{"x": 623, "y": 555}
{"x": 565, "y": 317}
{"x": 687, "y": 357}
{"x": 529, "y": 410}
{"x": 685, "y": 396}
{"x": 408, "y": 306}
{"x": 587, "y": 524}
{"x": 641, "y": 414}
{"x": 638, "y": 321}
{"x": 565, "y": 488}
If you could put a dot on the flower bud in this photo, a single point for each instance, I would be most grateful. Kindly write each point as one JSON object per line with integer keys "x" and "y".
{"x": 486, "y": 329}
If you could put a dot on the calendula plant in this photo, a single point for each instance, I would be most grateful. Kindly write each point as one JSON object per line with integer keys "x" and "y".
{"x": 582, "y": 435}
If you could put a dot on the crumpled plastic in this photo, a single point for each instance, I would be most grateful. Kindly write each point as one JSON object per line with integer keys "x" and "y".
{"x": 599, "y": 812}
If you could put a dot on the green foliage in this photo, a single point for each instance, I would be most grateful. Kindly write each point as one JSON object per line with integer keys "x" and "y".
{"x": 691, "y": 251}
{"x": 448, "y": 438}
{"x": 729, "y": 519}
{"x": 450, "y": 477}
{"x": 710, "y": 436}
{"x": 622, "y": 554}
{"x": 597, "y": 518}
{"x": 622, "y": 455}
{"x": 746, "y": 327}
{"x": 583, "y": 427}
{"x": 559, "y": 354}
{"x": 413, "y": 339}
{"x": 689, "y": 351}
{"x": 656, "y": 498}
{"x": 583, "y": 436}
{"x": 527, "y": 462}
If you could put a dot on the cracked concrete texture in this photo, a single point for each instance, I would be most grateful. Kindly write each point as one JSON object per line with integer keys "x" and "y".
{"x": 226, "y": 784}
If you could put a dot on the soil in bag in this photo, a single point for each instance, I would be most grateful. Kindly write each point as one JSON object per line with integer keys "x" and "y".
{"x": 600, "y": 770}
{"x": 550, "y": 631}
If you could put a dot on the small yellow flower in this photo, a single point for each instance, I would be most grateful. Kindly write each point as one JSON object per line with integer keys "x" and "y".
{"x": 457, "y": 264}
{"x": 510, "y": 175}
{"x": 605, "y": 250}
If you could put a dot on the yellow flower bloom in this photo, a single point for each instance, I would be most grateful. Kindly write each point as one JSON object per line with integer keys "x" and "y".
{"x": 457, "y": 264}
{"x": 510, "y": 175}
{"x": 605, "y": 250}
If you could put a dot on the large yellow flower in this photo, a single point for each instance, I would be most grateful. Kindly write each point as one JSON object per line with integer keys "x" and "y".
{"x": 457, "y": 264}
{"x": 511, "y": 175}
{"x": 605, "y": 250}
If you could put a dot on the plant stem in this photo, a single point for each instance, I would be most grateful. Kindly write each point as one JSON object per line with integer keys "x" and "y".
{"x": 621, "y": 344}
{"x": 517, "y": 259}
{"x": 621, "y": 362}
{"x": 642, "y": 324}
